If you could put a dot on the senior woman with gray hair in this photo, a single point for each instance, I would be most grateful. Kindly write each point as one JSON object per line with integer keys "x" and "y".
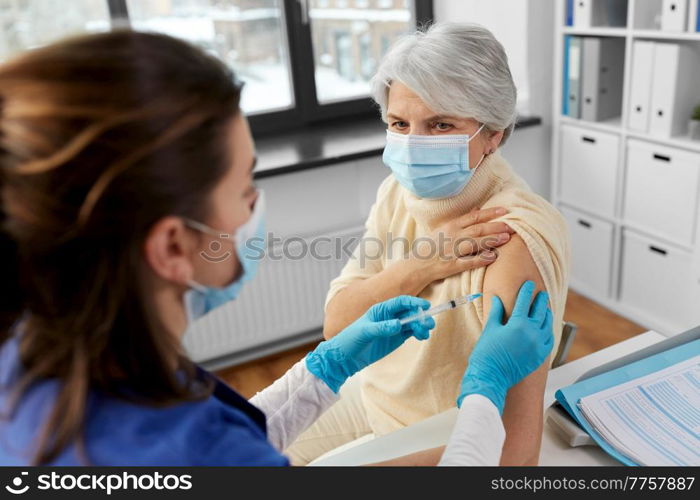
{"x": 448, "y": 98}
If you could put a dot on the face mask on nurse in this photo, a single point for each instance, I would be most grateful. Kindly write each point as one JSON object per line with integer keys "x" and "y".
{"x": 249, "y": 244}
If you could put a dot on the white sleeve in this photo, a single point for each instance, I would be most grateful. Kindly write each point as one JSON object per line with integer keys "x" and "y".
{"x": 478, "y": 435}
{"x": 292, "y": 403}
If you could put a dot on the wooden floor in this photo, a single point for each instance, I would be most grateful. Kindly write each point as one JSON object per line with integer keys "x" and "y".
{"x": 598, "y": 327}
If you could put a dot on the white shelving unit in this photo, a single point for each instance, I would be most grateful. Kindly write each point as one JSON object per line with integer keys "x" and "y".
{"x": 626, "y": 262}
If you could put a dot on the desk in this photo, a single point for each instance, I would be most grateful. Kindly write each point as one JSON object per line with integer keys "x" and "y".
{"x": 436, "y": 430}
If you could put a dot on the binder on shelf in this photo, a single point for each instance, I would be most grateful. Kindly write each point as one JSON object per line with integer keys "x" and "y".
{"x": 584, "y": 13}
{"x": 602, "y": 72}
{"x": 674, "y": 90}
{"x": 640, "y": 96}
{"x": 572, "y": 76}
{"x": 616, "y": 12}
{"x": 674, "y": 15}
{"x": 589, "y": 13}
{"x": 569, "y": 12}
{"x": 565, "y": 77}
{"x": 694, "y": 16}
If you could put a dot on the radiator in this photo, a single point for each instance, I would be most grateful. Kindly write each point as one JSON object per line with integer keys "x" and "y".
{"x": 284, "y": 299}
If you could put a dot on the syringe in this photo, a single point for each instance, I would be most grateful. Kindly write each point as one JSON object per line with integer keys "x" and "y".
{"x": 461, "y": 300}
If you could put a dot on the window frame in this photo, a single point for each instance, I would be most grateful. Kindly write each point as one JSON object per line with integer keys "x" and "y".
{"x": 306, "y": 109}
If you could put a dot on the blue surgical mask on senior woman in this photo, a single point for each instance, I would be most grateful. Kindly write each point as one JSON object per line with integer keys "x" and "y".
{"x": 249, "y": 242}
{"x": 430, "y": 166}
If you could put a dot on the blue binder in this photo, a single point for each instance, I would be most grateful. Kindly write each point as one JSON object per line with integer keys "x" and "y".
{"x": 569, "y": 396}
{"x": 565, "y": 74}
{"x": 572, "y": 76}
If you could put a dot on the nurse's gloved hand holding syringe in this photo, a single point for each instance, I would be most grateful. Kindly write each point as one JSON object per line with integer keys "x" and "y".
{"x": 311, "y": 386}
{"x": 371, "y": 337}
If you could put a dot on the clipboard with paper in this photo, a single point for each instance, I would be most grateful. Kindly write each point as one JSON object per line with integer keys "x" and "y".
{"x": 644, "y": 408}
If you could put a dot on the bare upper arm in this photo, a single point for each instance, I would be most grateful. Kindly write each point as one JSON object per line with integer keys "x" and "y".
{"x": 522, "y": 416}
{"x": 504, "y": 277}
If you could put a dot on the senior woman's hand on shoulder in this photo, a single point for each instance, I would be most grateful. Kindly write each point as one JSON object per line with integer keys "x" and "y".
{"x": 459, "y": 245}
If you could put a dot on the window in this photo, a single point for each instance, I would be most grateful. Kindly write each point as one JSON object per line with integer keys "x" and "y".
{"x": 357, "y": 39}
{"x": 302, "y": 61}
{"x": 249, "y": 36}
{"x": 25, "y": 24}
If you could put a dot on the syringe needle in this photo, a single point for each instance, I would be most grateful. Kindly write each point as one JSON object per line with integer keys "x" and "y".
{"x": 461, "y": 300}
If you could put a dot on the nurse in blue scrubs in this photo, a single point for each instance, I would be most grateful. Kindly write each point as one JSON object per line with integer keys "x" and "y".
{"x": 128, "y": 211}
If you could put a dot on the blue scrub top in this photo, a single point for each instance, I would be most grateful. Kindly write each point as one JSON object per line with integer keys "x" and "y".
{"x": 224, "y": 429}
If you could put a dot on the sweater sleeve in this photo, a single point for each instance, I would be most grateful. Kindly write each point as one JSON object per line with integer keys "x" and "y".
{"x": 368, "y": 257}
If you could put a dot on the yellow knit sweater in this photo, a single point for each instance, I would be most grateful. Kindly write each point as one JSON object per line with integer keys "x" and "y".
{"x": 421, "y": 379}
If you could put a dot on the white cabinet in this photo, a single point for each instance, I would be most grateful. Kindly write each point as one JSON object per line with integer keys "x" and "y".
{"x": 661, "y": 191}
{"x": 588, "y": 163}
{"x": 657, "y": 282}
{"x": 591, "y": 249}
{"x": 630, "y": 187}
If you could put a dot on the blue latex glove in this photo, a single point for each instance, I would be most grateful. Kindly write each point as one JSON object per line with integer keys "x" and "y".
{"x": 505, "y": 354}
{"x": 370, "y": 338}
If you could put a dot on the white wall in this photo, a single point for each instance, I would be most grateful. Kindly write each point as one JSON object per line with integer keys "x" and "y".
{"x": 507, "y": 19}
{"x": 526, "y": 30}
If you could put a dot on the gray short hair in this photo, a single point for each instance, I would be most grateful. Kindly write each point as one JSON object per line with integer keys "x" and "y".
{"x": 456, "y": 69}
